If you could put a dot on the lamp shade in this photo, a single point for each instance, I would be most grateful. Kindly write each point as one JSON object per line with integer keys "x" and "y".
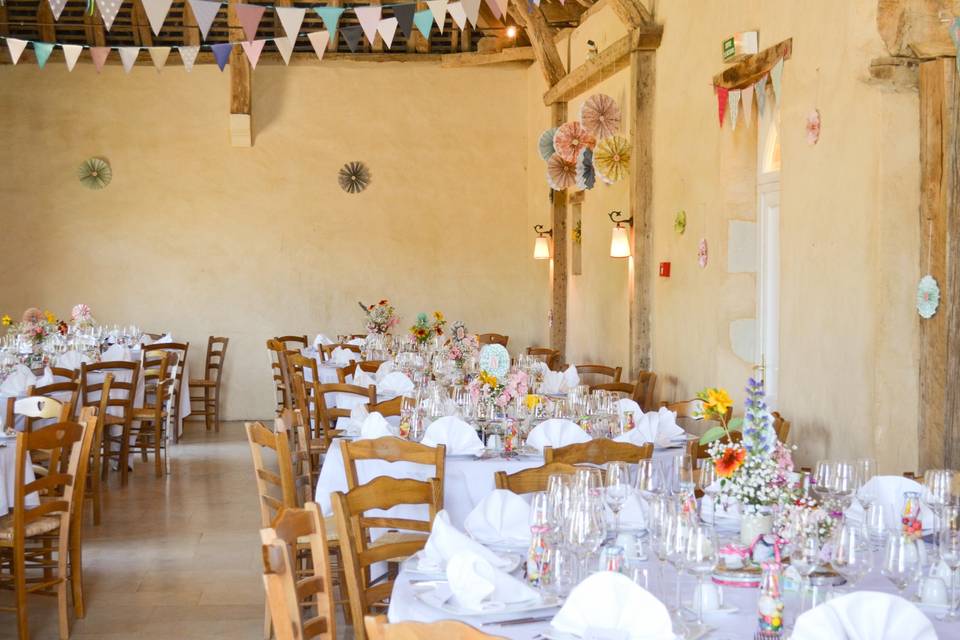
{"x": 541, "y": 248}
{"x": 620, "y": 242}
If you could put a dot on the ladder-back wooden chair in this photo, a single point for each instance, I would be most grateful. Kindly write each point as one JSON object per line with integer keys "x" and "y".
{"x": 120, "y": 399}
{"x": 388, "y": 408}
{"x": 148, "y": 431}
{"x": 208, "y": 387}
{"x": 613, "y": 373}
{"x": 293, "y": 343}
{"x": 531, "y": 480}
{"x": 622, "y": 389}
{"x": 278, "y": 364}
{"x": 370, "y": 366}
{"x": 492, "y": 338}
{"x": 644, "y": 390}
{"x": 781, "y": 426}
{"x": 390, "y": 449}
{"x": 329, "y": 415}
{"x": 599, "y": 451}
{"x": 176, "y": 389}
{"x": 548, "y": 356}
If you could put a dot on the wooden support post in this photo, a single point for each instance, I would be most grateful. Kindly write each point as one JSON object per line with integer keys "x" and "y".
{"x": 632, "y": 13}
{"x": 541, "y": 39}
{"x": 190, "y": 32}
{"x": 46, "y": 26}
{"x": 558, "y": 304}
{"x": 241, "y": 130}
{"x": 377, "y": 44}
{"x": 642, "y": 80}
{"x": 466, "y": 36}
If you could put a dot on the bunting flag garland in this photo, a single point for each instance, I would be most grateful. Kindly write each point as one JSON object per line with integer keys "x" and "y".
{"x": 721, "y": 102}
{"x": 472, "y": 8}
{"x": 330, "y": 17}
{"x": 285, "y": 47}
{"x": 221, "y": 52}
{"x": 291, "y": 18}
{"x": 494, "y": 7}
{"x": 424, "y": 21}
{"x": 387, "y": 29}
{"x": 319, "y": 41}
{"x": 761, "y": 92}
{"x": 747, "y": 103}
{"x": 128, "y": 56}
{"x": 955, "y": 36}
{"x": 99, "y": 55}
{"x": 156, "y": 11}
{"x": 503, "y": 6}
{"x": 108, "y": 9}
{"x": 369, "y": 18}
{"x": 188, "y": 55}
{"x": 205, "y": 11}
{"x": 439, "y": 10}
{"x": 16, "y": 46}
{"x": 776, "y": 75}
{"x": 249, "y": 16}
{"x": 253, "y": 49}
{"x": 733, "y": 98}
{"x": 352, "y": 35}
{"x": 42, "y": 50}
{"x": 71, "y": 53}
{"x": 159, "y": 56}
{"x": 456, "y": 11}
{"x": 57, "y": 7}
{"x": 404, "y": 15}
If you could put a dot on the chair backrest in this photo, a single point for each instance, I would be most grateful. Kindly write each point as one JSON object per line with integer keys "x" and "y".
{"x": 378, "y": 629}
{"x": 353, "y": 532}
{"x": 623, "y": 388}
{"x": 123, "y": 387}
{"x": 216, "y": 354}
{"x": 390, "y": 449}
{"x": 181, "y": 349}
{"x": 598, "y": 451}
{"x": 278, "y": 363}
{"x": 292, "y": 424}
{"x": 388, "y": 408}
{"x": 65, "y": 394}
{"x": 276, "y": 490}
{"x": 690, "y": 408}
{"x": 329, "y": 415}
{"x": 643, "y": 391}
{"x": 293, "y": 343}
{"x": 781, "y": 426}
{"x": 297, "y": 533}
{"x": 370, "y": 366}
{"x": 61, "y": 374}
{"x": 531, "y": 480}
{"x": 302, "y": 393}
{"x": 346, "y": 371}
{"x": 600, "y": 370}
{"x": 492, "y": 338}
{"x": 549, "y": 356}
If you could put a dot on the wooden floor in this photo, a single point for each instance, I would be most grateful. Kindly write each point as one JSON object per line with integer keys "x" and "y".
{"x": 173, "y": 558}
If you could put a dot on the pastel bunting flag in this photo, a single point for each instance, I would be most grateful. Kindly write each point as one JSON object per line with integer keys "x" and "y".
{"x": 494, "y": 8}
{"x": 955, "y": 36}
{"x": 205, "y": 11}
{"x": 108, "y": 9}
{"x": 128, "y": 56}
{"x": 369, "y": 18}
{"x": 776, "y": 75}
{"x": 71, "y": 53}
{"x": 249, "y": 16}
{"x": 57, "y": 7}
{"x": 761, "y": 91}
{"x": 42, "y": 50}
{"x": 404, "y": 15}
{"x": 353, "y": 36}
{"x": 291, "y": 18}
{"x": 733, "y": 99}
{"x": 159, "y": 55}
{"x": 319, "y": 41}
{"x": 221, "y": 53}
{"x": 157, "y": 11}
{"x": 387, "y": 29}
{"x": 188, "y": 55}
{"x": 747, "y": 104}
{"x": 456, "y": 11}
{"x": 99, "y": 56}
{"x": 424, "y": 21}
{"x": 472, "y": 8}
{"x": 721, "y": 102}
{"x": 330, "y": 17}
{"x": 285, "y": 47}
{"x": 439, "y": 10}
{"x": 253, "y": 50}
{"x": 503, "y": 6}
{"x": 16, "y": 46}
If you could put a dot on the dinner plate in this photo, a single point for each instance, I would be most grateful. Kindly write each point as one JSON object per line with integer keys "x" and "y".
{"x": 411, "y": 565}
{"x": 430, "y": 597}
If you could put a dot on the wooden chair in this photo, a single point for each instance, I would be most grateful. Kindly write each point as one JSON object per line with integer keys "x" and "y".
{"x": 209, "y": 384}
{"x": 387, "y": 408}
{"x": 346, "y": 371}
{"x": 88, "y": 418}
{"x": 492, "y": 338}
{"x": 354, "y": 528}
{"x": 93, "y": 488}
{"x": 599, "y": 451}
{"x": 61, "y": 374}
{"x": 309, "y": 373}
{"x": 781, "y": 426}
{"x": 549, "y": 356}
{"x": 329, "y": 415}
{"x": 120, "y": 397}
{"x": 148, "y": 430}
{"x": 293, "y": 343}
{"x": 391, "y": 449}
{"x": 644, "y": 390}
{"x": 690, "y": 408}
{"x": 625, "y": 390}
{"x": 278, "y": 364}
{"x": 302, "y": 456}
{"x": 378, "y": 629}
{"x": 59, "y": 399}
{"x": 327, "y": 349}
{"x": 600, "y": 370}
{"x": 176, "y": 389}
{"x": 530, "y": 480}
{"x": 296, "y": 576}
{"x": 370, "y": 366}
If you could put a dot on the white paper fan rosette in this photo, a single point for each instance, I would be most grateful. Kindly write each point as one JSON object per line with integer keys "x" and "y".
{"x": 561, "y": 173}
{"x": 586, "y": 176}
{"x": 611, "y": 158}
{"x": 545, "y": 144}
{"x": 600, "y": 115}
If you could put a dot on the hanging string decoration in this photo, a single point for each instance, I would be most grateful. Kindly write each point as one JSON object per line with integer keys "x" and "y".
{"x": 586, "y": 176}
{"x": 561, "y": 173}
{"x": 570, "y": 138}
{"x": 600, "y": 116}
{"x": 354, "y": 177}
{"x": 545, "y": 144}
{"x": 611, "y": 158}
{"x": 95, "y": 173}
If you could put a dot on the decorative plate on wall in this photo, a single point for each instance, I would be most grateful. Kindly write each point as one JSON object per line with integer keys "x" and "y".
{"x": 354, "y": 177}
{"x": 95, "y": 173}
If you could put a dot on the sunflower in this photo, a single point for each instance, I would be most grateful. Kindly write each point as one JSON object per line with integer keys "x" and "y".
{"x": 731, "y": 460}
{"x": 718, "y": 400}
{"x": 52, "y": 319}
{"x": 487, "y": 379}
{"x": 7, "y": 320}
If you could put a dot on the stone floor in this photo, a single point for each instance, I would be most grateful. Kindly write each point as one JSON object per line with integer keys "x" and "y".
{"x": 176, "y": 557}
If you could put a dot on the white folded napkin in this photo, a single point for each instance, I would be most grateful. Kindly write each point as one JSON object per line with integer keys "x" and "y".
{"x": 477, "y": 585}
{"x": 386, "y": 368}
{"x": 376, "y": 426}
{"x": 17, "y": 381}
{"x": 357, "y": 342}
{"x": 864, "y": 615}
{"x": 613, "y": 603}
{"x": 45, "y": 379}
{"x": 559, "y": 381}
{"x": 459, "y": 437}
{"x": 72, "y": 360}
{"x": 353, "y": 425}
{"x": 626, "y": 404}
{"x": 116, "y": 352}
{"x": 889, "y": 490}
{"x": 340, "y": 356}
{"x": 570, "y": 379}
{"x": 321, "y": 340}
{"x": 395, "y": 384}
{"x": 362, "y": 378}
{"x": 165, "y": 338}
{"x": 659, "y": 427}
{"x": 446, "y": 541}
{"x": 502, "y": 517}
{"x": 556, "y": 432}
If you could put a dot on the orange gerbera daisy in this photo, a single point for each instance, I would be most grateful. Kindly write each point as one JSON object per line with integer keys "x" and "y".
{"x": 731, "y": 460}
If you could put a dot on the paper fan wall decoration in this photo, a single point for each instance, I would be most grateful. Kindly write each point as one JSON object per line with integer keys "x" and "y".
{"x": 586, "y": 177}
{"x": 600, "y": 116}
{"x": 561, "y": 173}
{"x": 95, "y": 173}
{"x": 545, "y": 144}
{"x": 354, "y": 177}
{"x": 611, "y": 158}
{"x": 570, "y": 138}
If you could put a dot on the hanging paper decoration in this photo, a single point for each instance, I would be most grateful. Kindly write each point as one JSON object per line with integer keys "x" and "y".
{"x": 813, "y": 126}
{"x": 253, "y": 51}
{"x": 128, "y": 56}
{"x": 188, "y": 55}
{"x": 545, "y": 144}
{"x": 456, "y": 11}
{"x": 776, "y": 77}
{"x": 733, "y": 99}
{"x": 702, "y": 253}
{"x": 561, "y": 173}
{"x": 503, "y": 6}
{"x": 494, "y": 9}
{"x": 249, "y": 17}
{"x": 586, "y": 177}
{"x": 221, "y": 53}
{"x": 330, "y": 17}
{"x": 611, "y": 158}
{"x": 99, "y": 56}
{"x": 747, "y": 103}
{"x": 369, "y": 18}
{"x": 108, "y": 10}
{"x": 71, "y": 53}
{"x": 472, "y": 9}
{"x": 928, "y": 297}
{"x": 57, "y": 7}
{"x": 387, "y": 29}
{"x": 600, "y": 115}
{"x": 42, "y": 50}
{"x": 291, "y": 18}
{"x": 352, "y": 35}
{"x": 159, "y": 56}
{"x": 722, "y": 93}
{"x": 156, "y": 11}
{"x": 205, "y": 11}
{"x": 16, "y": 47}
{"x": 354, "y": 177}
{"x": 955, "y": 36}
{"x": 319, "y": 41}
{"x": 424, "y": 21}
{"x": 285, "y": 47}
{"x": 761, "y": 91}
{"x": 680, "y": 222}
{"x": 439, "y": 10}
{"x": 404, "y": 15}
{"x": 570, "y": 138}
{"x": 95, "y": 173}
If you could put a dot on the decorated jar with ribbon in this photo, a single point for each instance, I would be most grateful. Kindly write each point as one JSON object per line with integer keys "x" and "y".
{"x": 770, "y": 603}
{"x": 910, "y": 514}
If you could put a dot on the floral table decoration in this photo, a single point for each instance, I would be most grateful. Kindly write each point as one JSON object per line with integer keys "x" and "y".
{"x": 380, "y": 317}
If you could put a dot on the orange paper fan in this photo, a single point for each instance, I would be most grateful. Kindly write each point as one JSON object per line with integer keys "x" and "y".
{"x": 570, "y": 139}
{"x": 600, "y": 115}
{"x": 561, "y": 173}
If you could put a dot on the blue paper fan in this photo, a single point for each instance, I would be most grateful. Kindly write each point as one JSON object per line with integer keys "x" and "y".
{"x": 586, "y": 176}
{"x": 545, "y": 145}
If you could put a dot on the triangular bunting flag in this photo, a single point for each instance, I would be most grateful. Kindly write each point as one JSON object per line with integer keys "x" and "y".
{"x": 285, "y": 47}
{"x": 205, "y": 11}
{"x": 71, "y": 53}
{"x": 503, "y": 6}
{"x": 369, "y": 18}
{"x": 319, "y": 41}
{"x": 776, "y": 74}
{"x": 42, "y": 50}
{"x": 721, "y": 102}
{"x": 404, "y": 16}
{"x": 456, "y": 11}
{"x": 387, "y": 28}
{"x": 424, "y": 21}
{"x": 188, "y": 55}
{"x": 761, "y": 91}
{"x": 221, "y": 52}
{"x": 733, "y": 100}
{"x": 128, "y": 55}
{"x": 352, "y": 35}
{"x": 16, "y": 47}
{"x": 57, "y": 7}
{"x": 159, "y": 56}
{"x": 955, "y": 36}
{"x": 249, "y": 16}
{"x": 291, "y": 18}
{"x": 494, "y": 8}
{"x": 99, "y": 55}
{"x": 108, "y": 9}
{"x": 472, "y": 7}
{"x": 156, "y": 13}
{"x": 253, "y": 50}
{"x": 439, "y": 10}
{"x": 330, "y": 17}
{"x": 747, "y": 103}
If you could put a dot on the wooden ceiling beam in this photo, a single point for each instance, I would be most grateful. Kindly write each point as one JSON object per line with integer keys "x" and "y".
{"x": 917, "y": 28}
{"x": 752, "y": 68}
{"x": 93, "y": 26}
{"x": 190, "y": 32}
{"x": 541, "y": 39}
{"x": 142, "y": 34}
{"x": 241, "y": 78}
{"x": 46, "y": 23}
{"x": 513, "y": 54}
{"x": 633, "y": 13}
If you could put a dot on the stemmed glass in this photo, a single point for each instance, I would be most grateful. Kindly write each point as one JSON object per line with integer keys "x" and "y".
{"x": 843, "y": 483}
{"x": 902, "y": 560}
{"x": 700, "y": 559}
{"x": 661, "y": 510}
{"x": 937, "y": 492}
{"x": 875, "y": 521}
{"x": 851, "y": 556}
{"x": 804, "y": 557}
{"x": 823, "y": 475}
{"x": 617, "y": 490}
{"x": 866, "y": 470}
{"x": 706, "y": 483}
{"x": 681, "y": 476}
{"x": 584, "y": 533}
{"x": 678, "y": 528}
{"x": 649, "y": 479}
{"x": 949, "y": 540}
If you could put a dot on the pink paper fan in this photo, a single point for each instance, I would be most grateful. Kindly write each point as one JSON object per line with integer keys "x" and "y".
{"x": 600, "y": 115}
{"x": 561, "y": 173}
{"x": 570, "y": 138}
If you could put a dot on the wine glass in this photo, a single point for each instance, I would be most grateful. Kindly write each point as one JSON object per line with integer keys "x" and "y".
{"x": 660, "y": 511}
{"x": 589, "y": 480}
{"x": 902, "y": 560}
{"x": 700, "y": 559}
{"x": 949, "y": 540}
{"x": 866, "y": 470}
{"x": 678, "y": 528}
{"x": 707, "y": 483}
{"x": 822, "y": 476}
{"x": 805, "y": 557}
{"x": 876, "y": 520}
{"x": 681, "y": 475}
{"x": 851, "y": 556}
{"x": 617, "y": 489}
{"x": 583, "y": 531}
{"x": 843, "y": 483}
{"x": 649, "y": 479}
{"x": 936, "y": 492}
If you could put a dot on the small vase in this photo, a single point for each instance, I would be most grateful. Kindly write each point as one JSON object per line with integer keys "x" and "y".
{"x": 753, "y": 525}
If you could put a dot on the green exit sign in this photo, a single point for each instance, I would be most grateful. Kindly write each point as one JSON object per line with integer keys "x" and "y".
{"x": 729, "y": 48}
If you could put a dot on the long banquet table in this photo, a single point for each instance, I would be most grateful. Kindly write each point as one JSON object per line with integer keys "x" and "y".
{"x": 8, "y": 476}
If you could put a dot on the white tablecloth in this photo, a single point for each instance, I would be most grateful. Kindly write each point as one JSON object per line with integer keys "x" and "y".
{"x": 8, "y": 476}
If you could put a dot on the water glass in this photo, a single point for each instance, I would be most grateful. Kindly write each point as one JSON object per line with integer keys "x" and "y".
{"x": 866, "y": 469}
{"x": 843, "y": 483}
{"x": 700, "y": 559}
{"x": 707, "y": 483}
{"x": 822, "y": 479}
{"x": 851, "y": 556}
{"x": 902, "y": 560}
{"x": 877, "y": 519}
{"x": 949, "y": 540}
{"x": 617, "y": 489}
{"x": 650, "y": 483}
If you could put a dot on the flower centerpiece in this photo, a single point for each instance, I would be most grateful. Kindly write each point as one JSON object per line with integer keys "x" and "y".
{"x": 488, "y": 388}
{"x": 81, "y": 316}
{"x": 462, "y": 345}
{"x": 381, "y": 317}
{"x": 422, "y": 329}
{"x": 439, "y": 322}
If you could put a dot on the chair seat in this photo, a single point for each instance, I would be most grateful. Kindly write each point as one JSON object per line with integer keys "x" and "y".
{"x": 202, "y": 382}
{"x": 38, "y": 527}
{"x": 330, "y": 525}
{"x": 146, "y": 413}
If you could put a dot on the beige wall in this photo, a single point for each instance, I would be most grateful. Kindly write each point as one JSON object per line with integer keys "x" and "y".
{"x": 197, "y": 237}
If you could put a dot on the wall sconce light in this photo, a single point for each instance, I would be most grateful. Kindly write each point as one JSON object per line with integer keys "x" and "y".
{"x": 620, "y": 239}
{"x": 541, "y": 246}
{"x": 511, "y": 32}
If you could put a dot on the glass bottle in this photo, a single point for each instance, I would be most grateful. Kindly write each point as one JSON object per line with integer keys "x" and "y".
{"x": 770, "y": 602}
{"x": 910, "y": 514}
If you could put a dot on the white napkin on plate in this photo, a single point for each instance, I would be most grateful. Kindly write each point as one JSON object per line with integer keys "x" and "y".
{"x": 353, "y": 426}
{"x": 321, "y": 340}
{"x": 72, "y": 360}
{"x": 459, "y": 437}
{"x": 556, "y": 432}
{"x": 117, "y": 352}
{"x": 376, "y": 426}
{"x": 165, "y": 338}
{"x": 626, "y": 404}
{"x": 502, "y": 517}
{"x": 659, "y": 427}
{"x": 612, "y": 602}
{"x": 631, "y": 513}
{"x": 477, "y": 585}
{"x": 340, "y": 356}
{"x": 386, "y": 368}
{"x": 362, "y": 378}
{"x": 560, "y": 381}
{"x": 446, "y": 541}
{"x": 17, "y": 381}
{"x": 889, "y": 490}
{"x": 395, "y": 384}
{"x": 864, "y": 615}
